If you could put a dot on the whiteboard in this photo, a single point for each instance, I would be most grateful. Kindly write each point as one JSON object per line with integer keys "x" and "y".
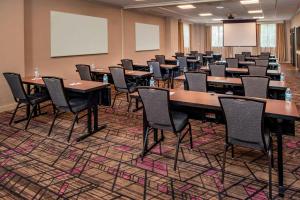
{"x": 73, "y": 34}
{"x": 146, "y": 37}
{"x": 240, "y": 34}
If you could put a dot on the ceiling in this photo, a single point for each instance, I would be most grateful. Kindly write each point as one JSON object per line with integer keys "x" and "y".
{"x": 273, "y": 10}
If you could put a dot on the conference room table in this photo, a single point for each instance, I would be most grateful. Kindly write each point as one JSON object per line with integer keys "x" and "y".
{"x": 271, "y": 59}
{"x": 274, "y": 74}
{"x": 90, "y": 89}
{"x": 282, "y": 113}
{"x": 276, "y": 88}
{"x": 272, "y": 65}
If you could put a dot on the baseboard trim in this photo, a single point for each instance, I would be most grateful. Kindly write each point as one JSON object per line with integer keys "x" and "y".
{"x": 7, "y": 107}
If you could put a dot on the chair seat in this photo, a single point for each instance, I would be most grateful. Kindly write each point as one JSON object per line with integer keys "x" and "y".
{"x": 39, "y": 97}
{"x": 78, "y": 104}
{"x": 180, "y": 120}
{"x": 251, "y": 145}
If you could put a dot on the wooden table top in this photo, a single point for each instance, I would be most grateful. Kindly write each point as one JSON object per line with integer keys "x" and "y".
{"x": 241, "y": 70}
{"x": 188, "y": 60}
{"x": 70, "y": 84}
{"x": 135, "y": 73}
{"x": 274, "y": 108}
{"x": 279, "y": 85}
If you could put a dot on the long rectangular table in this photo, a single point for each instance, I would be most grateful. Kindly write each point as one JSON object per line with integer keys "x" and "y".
{"x": 89, "y": 88}
{"x": 132, "y": 73}
{"x": 284, "y": 113}
{"x": 244, "y": 71}
{"x": 272, "y": 65}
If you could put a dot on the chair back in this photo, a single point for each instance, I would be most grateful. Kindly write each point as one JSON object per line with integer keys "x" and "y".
{"x": 84, "y": 72}
{"x": 244, "y": 121}
{"x": 256, "y": 86}
{"x": 156, "y": 106}
{"x": 182, "y": 62}
{"x": 199, "y": 57}
{"x": 56, "y": 89}
{"x": 118, "y": 76}
{"x": 246, "y": 54}
{"x": 262, "y": 62}
{"x": 16, "y": 86}
{"x": 241, "y": 57}
{"x": 265, "y": 54}
{"x": 161, "y": 59}
{"x": 257, "y": 70}
{"x": 179, "y": 54}
{"x": 264, "y": 57}
{"x": 232, "y": 62}
{"x": 156, "y": 69}
{"x": 127, "y": 64}
{"x": 193, "y": 53}
{"x": 209, "y": 53}
{"x": 197, "y": 81}
{"x": 217, "y": 70}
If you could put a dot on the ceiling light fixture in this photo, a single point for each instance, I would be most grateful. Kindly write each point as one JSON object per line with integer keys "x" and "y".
{"x": 220, "y": 7}
{"x": 217, "y": 19}
{"x": 258, "y": 17}
{"x": 205, "y": 14}
{"x": 187, "y": 6}
{"x": 255, "y": 11}
{"x": 246, "y": 2}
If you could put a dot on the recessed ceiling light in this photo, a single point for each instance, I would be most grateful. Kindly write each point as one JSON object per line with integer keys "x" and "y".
{"x": 139, "y": 0}
{"x": 217, "y": 19}
{"x": 187, "y": 6}
{"x": 220, "y": 7}
{"x": 205, "y": 14}
{"x": 258, "y": 17}
{"x": 254, "y": 11}
{"x": 246, "y": 2}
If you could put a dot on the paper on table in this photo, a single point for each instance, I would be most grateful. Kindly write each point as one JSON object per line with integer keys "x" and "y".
{"x": 171, "y": 93}
{"x": 34, "y": 79}
{"x": 75, "y": 83}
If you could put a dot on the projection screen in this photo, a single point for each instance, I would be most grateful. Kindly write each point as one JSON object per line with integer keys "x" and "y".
{"x": 239, "y": 33}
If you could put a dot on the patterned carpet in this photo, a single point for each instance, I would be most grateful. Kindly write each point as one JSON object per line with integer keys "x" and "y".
{"x": 107, "y": 165}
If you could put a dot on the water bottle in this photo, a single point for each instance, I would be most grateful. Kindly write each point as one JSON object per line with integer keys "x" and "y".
{"x": 151, "y": 69}
{"x": 152, "y": 82}
{"x": 282, "y": 77}
{"x": 207, "y": 64}
{"x": 36, "y": 72}
{"x": 288, "y": 95}
{"x": 177, "y": 63}
{"x": 279, "y": 68}
{"x": 105, "y": 78}
{"x": 185, "y": 69}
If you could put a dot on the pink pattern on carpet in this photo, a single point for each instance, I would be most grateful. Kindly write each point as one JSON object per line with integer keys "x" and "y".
{"x": 259, "y": 196}
{"x": 63, "y": 188}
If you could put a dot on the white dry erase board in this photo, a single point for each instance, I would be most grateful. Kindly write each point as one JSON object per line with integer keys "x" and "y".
{"x": 147, "y": 37}
{"x": 73, "y": 34}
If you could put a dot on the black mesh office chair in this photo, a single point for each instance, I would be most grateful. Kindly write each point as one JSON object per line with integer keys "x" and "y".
{"x": 199, "y": 57}
{"x": 179, "y": 54}
{"x": 245, "y": 127}
{"x": 84, "y": 72}
{"x": 241, "y": 57}
{"x": 217, "y": 70}
{"x": 62, "y": 103}
{"x": 33, "y": 100}
{"x": 127, "y": 64}
{"x": 257, "y": 70}
{"x": 158, "y": 75}
{"x": 193, "y": 53}
{"x": 262, "y": 62}
{"x": 246, "y": 53}
{"x": 182, "y": 63}
{"x": 196, "y": 81}
{"x": 232, "y": 62}
{"x": 256, "y": 86}
{"x": 161, "y": 59}
{"x": 160, "y": 117}
{"x": 120, "y": 84}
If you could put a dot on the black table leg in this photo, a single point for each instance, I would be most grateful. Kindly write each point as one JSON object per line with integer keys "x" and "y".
{"x": 172, "y": 79}
{"x": 280, "y": 165}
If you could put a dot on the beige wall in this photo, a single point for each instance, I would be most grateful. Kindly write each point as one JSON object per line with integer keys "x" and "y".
{"x": 129, "y": 19}
{"x": 295, "y": 21}
{"x": 12, "y": 45}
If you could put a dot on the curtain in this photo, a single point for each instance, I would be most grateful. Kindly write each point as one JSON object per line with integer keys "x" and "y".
{"x": 191, "y": 37}
{"x": 208, "y": 38}
{"x": 280, "y": 42}
{"x": 180, "y": 36}
{"x": 256, "y": 50}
